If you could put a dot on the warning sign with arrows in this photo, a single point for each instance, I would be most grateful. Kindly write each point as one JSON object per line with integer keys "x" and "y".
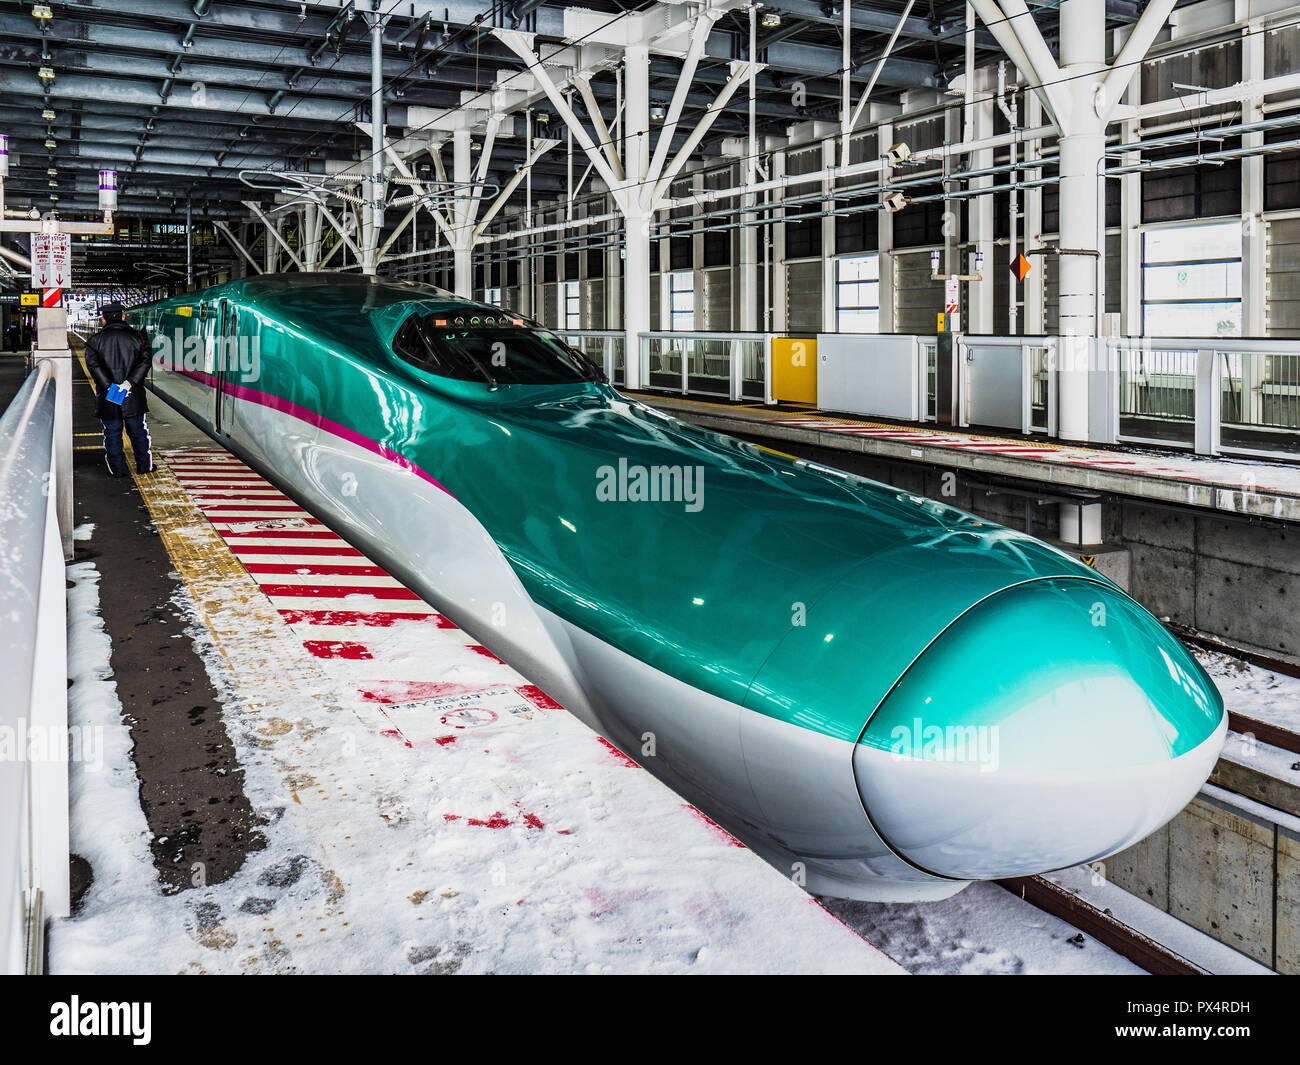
{"x": 51, "y": 260}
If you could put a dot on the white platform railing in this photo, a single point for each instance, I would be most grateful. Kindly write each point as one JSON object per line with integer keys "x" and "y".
{"x": 605, "y": 347}
{"x": 1214, "y": 396}
{"x": 731, "y": 366}
{"x": 33, "y": 668}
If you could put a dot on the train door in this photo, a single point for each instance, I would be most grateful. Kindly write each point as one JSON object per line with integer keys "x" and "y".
{"x": 227, "y": 369}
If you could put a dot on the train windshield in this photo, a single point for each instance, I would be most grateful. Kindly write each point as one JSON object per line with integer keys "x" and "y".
{"x": 498, "y": 349}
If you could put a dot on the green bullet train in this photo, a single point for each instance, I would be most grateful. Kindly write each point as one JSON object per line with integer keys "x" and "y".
{"x": 883, "y": 696}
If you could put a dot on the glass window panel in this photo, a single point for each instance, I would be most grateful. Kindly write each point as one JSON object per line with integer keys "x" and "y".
{"x": 859, "y": 321}
{"x": 1192, "y": 281}
{"x": 859, "y": 268}
{"x": 1220, "y": 240}
{"x": 860, "y": 294}
{"x": 1192, "y": 319}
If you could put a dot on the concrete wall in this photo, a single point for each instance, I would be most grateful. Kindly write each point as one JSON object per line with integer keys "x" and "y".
{"x": 1237, "y": 579}
{"x": 1231, "y": 875}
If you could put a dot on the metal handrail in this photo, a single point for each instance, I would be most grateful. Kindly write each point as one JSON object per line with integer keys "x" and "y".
{"x": 735, "y": 388}
{"x": 33, "y": 795}
{"x": 610, "y": 341}
{"x": 1204, "y": 378}
{"x": 1212, "y": 429}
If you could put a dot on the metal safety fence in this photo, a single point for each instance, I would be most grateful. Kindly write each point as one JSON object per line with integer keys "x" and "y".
{"x": 732, "y": 366}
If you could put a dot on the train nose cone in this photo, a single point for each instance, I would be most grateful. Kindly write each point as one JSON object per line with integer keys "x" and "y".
{"x": 1054, "y": 723}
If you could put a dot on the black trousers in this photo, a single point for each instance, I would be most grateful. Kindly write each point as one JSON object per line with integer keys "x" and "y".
{"x": 115, "y": 455}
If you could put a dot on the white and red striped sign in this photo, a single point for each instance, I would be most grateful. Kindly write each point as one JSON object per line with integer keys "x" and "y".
{"x": 51, "y": 260}
{"x": 52, "y": 297}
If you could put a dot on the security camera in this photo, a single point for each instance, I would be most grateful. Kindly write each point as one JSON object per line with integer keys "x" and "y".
{"x": 899, "y": 153}
{"x": 896, "y": 201}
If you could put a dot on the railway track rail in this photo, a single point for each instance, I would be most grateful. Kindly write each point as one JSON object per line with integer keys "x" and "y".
{"x": 1102, "y": 926}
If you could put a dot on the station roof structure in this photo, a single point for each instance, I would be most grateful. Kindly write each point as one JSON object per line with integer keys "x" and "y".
{"x": 181, "y": 96}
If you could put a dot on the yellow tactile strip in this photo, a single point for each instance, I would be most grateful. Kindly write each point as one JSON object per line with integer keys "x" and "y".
{"x": 283, "y": 697}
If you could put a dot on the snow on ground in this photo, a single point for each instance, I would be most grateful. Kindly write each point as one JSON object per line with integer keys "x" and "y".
{"x": 1252, "y": 690}
{"x": 983, "y": 929}
{"x": 1169, "y": 931}
{"x": 524, "y": 847}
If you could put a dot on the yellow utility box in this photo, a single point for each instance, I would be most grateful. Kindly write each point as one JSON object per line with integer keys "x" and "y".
{"x": 794, "y": 369}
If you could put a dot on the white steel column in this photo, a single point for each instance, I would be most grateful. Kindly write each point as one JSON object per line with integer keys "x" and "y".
{"x": 1031, "y": 290}
{"x": 747, "y": 320}
{"x": 636, "y": 162}
{"x": 747, "y": 268}
{"x": 1082, "y": 152}
{"x": 376, "y": 212}
{"x": 780, "y": 272}
{"x": 979, "y": 299}
{"x": 1130, "y": 217}
{"x": 885, "y": 233}
{"x": 269, "y": 252}
{"x": 463, "y": 199}
{"x": 1254, "y": 233}
{"x": 311, "y": 237}
{"x": 829, "y": 250}
{"x": 613, "y": 276}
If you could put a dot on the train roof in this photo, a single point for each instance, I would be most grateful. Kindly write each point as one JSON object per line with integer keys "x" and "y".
{"x": 360, "y": 290}
{"x": 352, "y": 309}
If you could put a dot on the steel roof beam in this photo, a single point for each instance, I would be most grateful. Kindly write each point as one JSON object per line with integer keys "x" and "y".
{"x": 274, "y": 62}
{"x": 871, "y": 19}
{"x": 117, "y": 136}
{"x": 199, "y": 80}
{"x": 262, "y": 19}
{"x": 93, "y": 114}
{"x": 814, "y": 59}
{"x": 251, "y": 103}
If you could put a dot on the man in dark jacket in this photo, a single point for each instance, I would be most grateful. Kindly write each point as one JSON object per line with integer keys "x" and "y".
{"x": 118, "y": 355}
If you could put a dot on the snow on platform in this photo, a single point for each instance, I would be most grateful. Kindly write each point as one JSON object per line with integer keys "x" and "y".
{"x": 427, "y": 809}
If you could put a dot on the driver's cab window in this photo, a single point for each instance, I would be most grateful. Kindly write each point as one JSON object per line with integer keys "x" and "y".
{"x": 499, "y": 349}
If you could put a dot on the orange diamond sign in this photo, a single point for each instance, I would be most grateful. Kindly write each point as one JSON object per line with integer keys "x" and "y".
{"x": 1021, "y": 267}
